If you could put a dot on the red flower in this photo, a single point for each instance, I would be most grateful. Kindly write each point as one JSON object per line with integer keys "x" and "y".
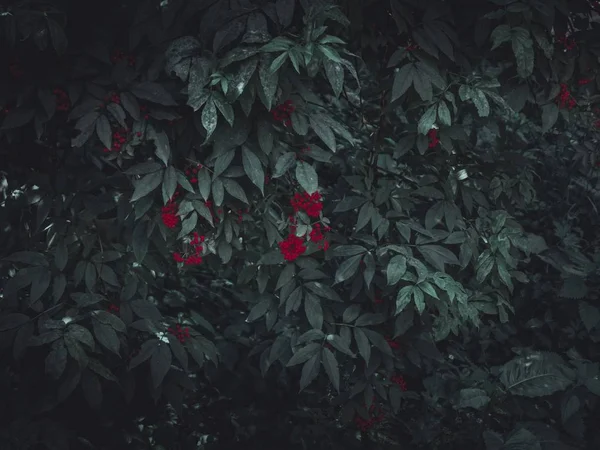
{"x": 568, "y": 43}
{"x": 366, "y": 424}
{"x": 584, "y": 81}
{"x": 169, "y": 214}
{"x": 433, "y": 138}
{"x": 292, "y": 247}
{"x": 182, "y": 334}
{"x": 114, "y": 308}
{"x": 399, "y": 381}
{"x": 62, "y": 100}
{"x": 393, "y": 344}
{"x": 281, "y": 113}
{"x": 565, "y": 99}
{"x": 311, "y": 204}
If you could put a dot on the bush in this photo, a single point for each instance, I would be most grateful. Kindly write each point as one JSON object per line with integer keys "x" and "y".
{"x": 304, "y": 224}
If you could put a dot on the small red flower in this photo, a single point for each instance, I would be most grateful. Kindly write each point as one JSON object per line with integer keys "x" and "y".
{"x": 393, "y": 344}
{"x": 181, "y": 333}
{"x": 365, "y": 425}
{"x": 565, "y": 99}
{"x": 433, "y": 138}
{"x": 282, "y": 113}
{"x": 311, "y": 204}
{"x": 292, "y": 247}
{"x": 169, "y": 214}
{"x": 62, "y": 100}
{"x": 399, "y": 381}
{"x": 584, "y": 81}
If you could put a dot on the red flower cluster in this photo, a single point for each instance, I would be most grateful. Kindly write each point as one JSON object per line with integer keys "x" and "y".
{"x": 400, "y": 381}
{"x": 410, "y": 47}
{"x": 119, "y": 138}
{"x": 182, "y": 334}
{"x": 365, "y": 425}
{"x": 584, "y": 81}
{"x": 433, "y": 138}
{"x": 568, "y": 43}
{"x": 292, "y": 247}
{"x": 113, "y": 97}
{"x": 316, "y": 235}
{"x": 192, "y": 172}
{"x": 393, "y": 344}
{"x": 281, "y": 113}
{"x": 192, "y": 259}
{"x": 311, "y": 204}
{"x": 565, "y": 99}
{"x": 114, "y": 308}
{"x": 15, "y": 70}
{"x": 144, "y": 109}
{"x": 120, "y": 55}
{"x": 62, "y": 100}
{"x": 168, "y": 213}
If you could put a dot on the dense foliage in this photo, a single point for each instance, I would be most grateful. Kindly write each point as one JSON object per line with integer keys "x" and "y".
{"x": 364, "y": 223}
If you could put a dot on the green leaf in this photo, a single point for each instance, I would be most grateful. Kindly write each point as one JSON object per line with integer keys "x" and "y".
{"x": 370, "y": 319}
{"x": 500, "y": 35}
{"x": 146, "y": 185}
{"x": 348, "y": 268}
{"x": 284, "y": 163}
{"x": 485, "y": 263}
{"x": 536, "y": 375}
{"x": 204, "y": 183}
{"x": 590, "y": 315}
{"x": 106, "y": 336}
{"x": 323, "y": 131}
{"x": 396, "y": 269}
{"x": 473, "y": 398}
{"x": 307, "y": 177}
{"x": 20, "y": 116}
{"x": 314, "y": 311}
{"x": 162, "y": 357}
{"x": 438, "y": 256}
{"x": 61, "y": 255}
{"x": 404, "y": 298}
{"x": 523, "y": 49}
{"x": 153, "y": 92}
{"x": 348, "y": 250}
{"x": 419, "y": 299}
{"x": 57, "y": 35}
{"x": 225, "y": 108}
{"x": 223, "y": 162}
{"x": 209, "y": 118}
{"x": 331, "y": 367}
{"x": 549, "y": 116}
{"x": 104, "y": 131}
{"x": 403, "y": 79}
{"x": 235, "y": 190}
{"x": 427, "y": 120}
{"x": 169, "y": 184}
{"x": 253, "y": 168}
{"x": 444, "y": 114}
{"x": 310, "y": 371}
{"x": 481, "y": 103}
{"x": 363, "y": 344}
{"x": 304, "y": 354}
{"x": 422, "y": 85}
{"x": 335, "y": 74}
{"x": 161, "y": 142}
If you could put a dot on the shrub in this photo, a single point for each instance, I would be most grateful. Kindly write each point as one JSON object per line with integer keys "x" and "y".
{"x": 300, "y": 223}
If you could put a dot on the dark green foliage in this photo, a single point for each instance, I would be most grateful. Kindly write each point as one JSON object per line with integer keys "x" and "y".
{"x": 300, "y": 224}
